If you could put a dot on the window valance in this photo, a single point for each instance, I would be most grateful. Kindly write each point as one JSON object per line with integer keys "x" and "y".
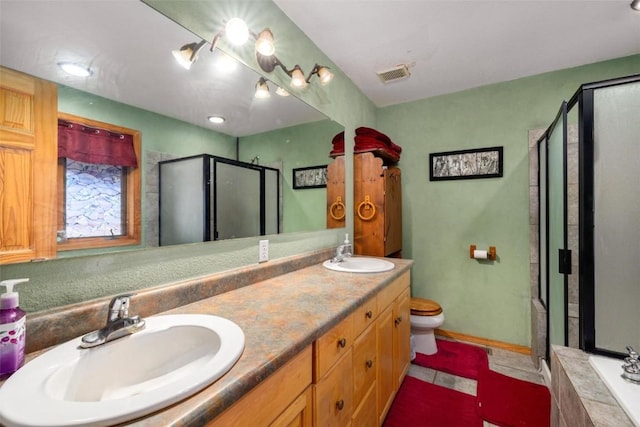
{"x": 92, "y": 145}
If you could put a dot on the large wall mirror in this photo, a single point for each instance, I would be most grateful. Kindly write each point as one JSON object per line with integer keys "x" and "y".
{"x": 136, "y": 83}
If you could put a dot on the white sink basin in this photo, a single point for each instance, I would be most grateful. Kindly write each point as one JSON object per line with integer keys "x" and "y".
{"x": 356, "y": 264}
{"x": 174, "y": 357}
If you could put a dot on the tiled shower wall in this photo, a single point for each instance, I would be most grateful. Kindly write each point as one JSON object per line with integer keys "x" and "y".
{"x": 152, "y": 196}
{"x": 538, "y": 311}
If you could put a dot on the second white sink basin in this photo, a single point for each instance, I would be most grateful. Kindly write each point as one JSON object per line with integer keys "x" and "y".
{"x": 174, "y": 357}
{"x": 357, "y": 264}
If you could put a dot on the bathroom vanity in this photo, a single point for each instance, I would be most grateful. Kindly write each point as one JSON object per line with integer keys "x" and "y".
{"x": 322, "y": 347}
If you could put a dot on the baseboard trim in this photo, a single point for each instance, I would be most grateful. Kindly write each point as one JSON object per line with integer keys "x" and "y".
{"x": 484, "y": 341}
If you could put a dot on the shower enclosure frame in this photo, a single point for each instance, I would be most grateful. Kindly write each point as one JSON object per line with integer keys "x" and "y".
{"x": 209, "y": 190}
{"x": 584, "y": 99}
{"x": 564, "y": 254}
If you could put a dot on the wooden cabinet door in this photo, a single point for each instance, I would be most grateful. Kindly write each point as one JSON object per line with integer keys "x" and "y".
{"x": 366, "y": 415}
{"x": 364, "y": 364}
{"x": 334, "y": 396}
{"x": 336, "y": 196}
{"x": 298, "y": 414}
{"x": 402, "y": 337}
{"x": 385, "y": 377}
{"x": 392, "y": 211}
{"x": 368, "y": 195}
{"x": 28, "y": 160}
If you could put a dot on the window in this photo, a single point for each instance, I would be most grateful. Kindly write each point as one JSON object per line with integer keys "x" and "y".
{"x": 98, "y": 184}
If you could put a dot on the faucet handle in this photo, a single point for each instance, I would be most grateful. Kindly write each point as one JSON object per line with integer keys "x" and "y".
{"x": 119, "y": 307}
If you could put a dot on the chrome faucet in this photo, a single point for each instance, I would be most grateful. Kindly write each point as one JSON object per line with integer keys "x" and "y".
{"x": 342, "y": 252}
{"x": 631, "y": 367}
{"x": 119, "y": 324}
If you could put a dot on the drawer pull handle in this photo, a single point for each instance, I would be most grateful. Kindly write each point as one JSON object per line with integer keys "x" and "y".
{"x": 398, "y": 320}
{"x": 369, "y": 314}
{"x": 369, "y": 363}
{"x": 342, "y": 343}
{"x": 340, "y": 405}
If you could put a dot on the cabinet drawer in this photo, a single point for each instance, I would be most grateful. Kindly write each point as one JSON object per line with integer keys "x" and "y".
{"x": 290, "y": 380}
{"x": 364, "y": 363}
{"x": 365, "y": 315}
{"x": 333, "y": 395}
{"x": 387, "y": 295}
{"x": 331, "y": 346}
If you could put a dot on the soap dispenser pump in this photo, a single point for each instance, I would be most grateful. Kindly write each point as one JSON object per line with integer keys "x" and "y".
{"x": 12, "y": 330}
{"x": 348, "y": 248}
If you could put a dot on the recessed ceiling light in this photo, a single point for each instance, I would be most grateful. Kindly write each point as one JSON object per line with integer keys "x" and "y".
{"x": 216, "y": 119}
{"x": 75, "y": 69}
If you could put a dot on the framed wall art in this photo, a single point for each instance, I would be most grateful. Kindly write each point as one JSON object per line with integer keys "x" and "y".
{"x": 466, "y": 164}
{"x": 310, "y": 177}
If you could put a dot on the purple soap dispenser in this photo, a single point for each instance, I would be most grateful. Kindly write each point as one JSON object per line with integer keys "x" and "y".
{"x": 12, "y": 330}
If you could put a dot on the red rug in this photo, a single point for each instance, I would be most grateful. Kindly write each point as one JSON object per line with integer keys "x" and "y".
{"x": 419, "y": 404}
{"x": 463, "y": 360}
{"x": 510, "y": 402}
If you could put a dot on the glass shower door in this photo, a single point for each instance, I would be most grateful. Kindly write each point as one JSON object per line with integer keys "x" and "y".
{"x": 556, "y": 238}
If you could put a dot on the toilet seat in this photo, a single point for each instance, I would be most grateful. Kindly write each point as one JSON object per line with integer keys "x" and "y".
{"x": 425, "y": 307}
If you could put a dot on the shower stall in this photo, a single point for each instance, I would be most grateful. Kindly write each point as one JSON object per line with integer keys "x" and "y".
{"x": 589, "y": 220}
{"x": 205, "y": 198}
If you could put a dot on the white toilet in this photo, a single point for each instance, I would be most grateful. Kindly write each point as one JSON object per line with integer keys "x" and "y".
{"x": 426, "y": 316}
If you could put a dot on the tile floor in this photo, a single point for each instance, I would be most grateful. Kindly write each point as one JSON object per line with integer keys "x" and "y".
{"x": 509, "y": 363}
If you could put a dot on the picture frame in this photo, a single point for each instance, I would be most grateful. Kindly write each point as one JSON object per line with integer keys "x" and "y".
{"x": 466, "y": 164}
{"x": 310, "y": 177}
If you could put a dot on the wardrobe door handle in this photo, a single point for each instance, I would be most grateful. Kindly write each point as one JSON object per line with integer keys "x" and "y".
{"x": 369, "y": 363}
{"x": 338, "y": 206}
{"x": 367, "y": 205}
{"x": 342, "y": 343}
{"x": 369, "y": 314}
{"x": 398, "y": 320}
{"x": 340, "y": 405}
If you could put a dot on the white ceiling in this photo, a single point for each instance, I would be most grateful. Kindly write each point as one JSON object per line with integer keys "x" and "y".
{"x": 450, "y": 45}
{"x": 128, "y": 46}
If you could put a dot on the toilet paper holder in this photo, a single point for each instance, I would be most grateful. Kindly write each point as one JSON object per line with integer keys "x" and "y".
{"x": 490, "y": 254}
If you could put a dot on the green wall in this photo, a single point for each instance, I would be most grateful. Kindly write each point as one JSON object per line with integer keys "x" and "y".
{"x": 159, "y": 133}
{"x": 442, "y": 218}
{"x": 296, "y": 147}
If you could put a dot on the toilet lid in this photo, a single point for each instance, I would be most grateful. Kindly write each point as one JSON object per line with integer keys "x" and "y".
{"x": 425, "y": 307}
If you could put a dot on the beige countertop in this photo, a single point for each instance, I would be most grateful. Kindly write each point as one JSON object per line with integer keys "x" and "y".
{"x": 280, "y": 316}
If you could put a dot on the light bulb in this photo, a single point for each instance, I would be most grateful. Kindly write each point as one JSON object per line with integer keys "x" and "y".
{"x": 282, "y": 92}
{"x": 216, "y": 119}
{"x": 297, "y": 78}
{"x": 325, "y": 75}
{"x": 262, "y": 89}
{"x": 237, "y": 31}
{"x": 265, "y": 45}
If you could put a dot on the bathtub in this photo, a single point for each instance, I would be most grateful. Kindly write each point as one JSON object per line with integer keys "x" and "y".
{"x": 626, "y": 393}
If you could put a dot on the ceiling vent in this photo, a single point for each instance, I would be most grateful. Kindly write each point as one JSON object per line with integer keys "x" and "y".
{"x": 399, "y": 72}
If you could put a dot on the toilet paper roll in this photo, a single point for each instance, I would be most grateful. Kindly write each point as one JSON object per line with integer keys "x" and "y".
{"x": 480, "y": 254}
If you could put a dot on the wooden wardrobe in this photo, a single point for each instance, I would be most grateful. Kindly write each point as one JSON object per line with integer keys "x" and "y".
{"x": 377, "y": 189}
